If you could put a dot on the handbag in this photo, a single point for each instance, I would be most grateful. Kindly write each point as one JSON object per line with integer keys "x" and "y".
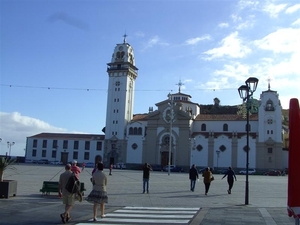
{"x": 212, "y": 178}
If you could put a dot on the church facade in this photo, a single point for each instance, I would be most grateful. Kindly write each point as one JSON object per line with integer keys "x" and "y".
{"x": 178, "y": 131}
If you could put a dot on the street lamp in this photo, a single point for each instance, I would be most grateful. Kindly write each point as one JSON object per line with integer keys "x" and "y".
{"x": 171, "y": 116}
{"x": 9, "y": 144}
{"x": 218, "y": 155}
{"x": 246, "y": 91}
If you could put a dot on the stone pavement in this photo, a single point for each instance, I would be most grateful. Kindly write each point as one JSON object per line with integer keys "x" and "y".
{"x": 267, "y": 202}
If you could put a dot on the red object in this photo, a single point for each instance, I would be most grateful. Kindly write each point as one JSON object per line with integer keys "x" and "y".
{"x": 293, "y": 202}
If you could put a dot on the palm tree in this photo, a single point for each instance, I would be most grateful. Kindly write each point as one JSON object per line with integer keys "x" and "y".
{"x": 5, "y": 163}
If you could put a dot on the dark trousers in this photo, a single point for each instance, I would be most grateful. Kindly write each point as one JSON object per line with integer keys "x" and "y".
{"x": 207, "y": 185}
{"x": 230, "y": 184}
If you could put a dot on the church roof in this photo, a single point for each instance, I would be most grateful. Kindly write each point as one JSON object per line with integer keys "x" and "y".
{"x": 224, "y": 117}
{"x": 69, "y": 136}
{"x": 139, "y": 117}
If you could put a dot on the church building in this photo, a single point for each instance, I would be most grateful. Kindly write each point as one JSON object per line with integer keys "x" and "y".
{"x": 179, "y": 131}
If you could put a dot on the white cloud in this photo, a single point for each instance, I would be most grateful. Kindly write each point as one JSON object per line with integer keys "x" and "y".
{"x": 247, "y": 3}
{"x": 193, "y": 41}
{"x": 293, "y": 9}
{"x": 236, "y": 18}
{"x": 281, "y": 41}
{"x": 231, "y": 46}
{"x": 15, "y": 128}
{"x": 153, "y": 42}
{"x": 296, "y": 23}
{"x": 272, "y": 9}
{"x": 235, "y": 70}
{"x": 223, "y": 25}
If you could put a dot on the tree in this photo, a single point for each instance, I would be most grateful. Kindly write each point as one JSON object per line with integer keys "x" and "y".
{"x": 5, "y": 163}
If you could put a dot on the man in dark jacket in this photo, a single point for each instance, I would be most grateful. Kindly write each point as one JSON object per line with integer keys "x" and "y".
{"x": 193, "y": 176}
{"x": 230, "y": 178}
{"x": 146, "y": 176}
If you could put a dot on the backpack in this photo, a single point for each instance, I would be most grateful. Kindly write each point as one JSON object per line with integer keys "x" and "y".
{"x": 73, "y": 184}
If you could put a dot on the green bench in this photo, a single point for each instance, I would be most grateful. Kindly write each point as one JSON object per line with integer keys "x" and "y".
{"x": 52, "y": 186}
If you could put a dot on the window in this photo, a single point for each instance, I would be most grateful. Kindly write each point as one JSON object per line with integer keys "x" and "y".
{"x": 54, "y": 144}
{"x": 270, "y": 106}
{"x": 87, "y": 145}
{"x": 86, "y": 156}
{"x": 34, "y": 143}
{"x": 225, "y": 127}
{"x": 166, "y": 140}
{"x": 203, "y": 127}
{"x": 140, "y": 131}
{"x": 75, "y": 155}
{"x": 271, "y": 131}
{"x": 33, "y": 152}
{"x": 76, "y": 144}
{"x": 135, "y": 131}
{"x": 99, "y": 145}
{"x": 53, "y": 154}
{"x": 65, "y": 144}
{"x": 44, "y": 153}
{"x": 268, "y": 132}
{"x": 44, "y": 143}
{"x": 270, "y": 150}
{"x": 130, "y": 130}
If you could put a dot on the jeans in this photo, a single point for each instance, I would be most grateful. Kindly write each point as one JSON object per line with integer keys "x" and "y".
{"x": 146, "y": 184}
{"x": 193, "y": 182}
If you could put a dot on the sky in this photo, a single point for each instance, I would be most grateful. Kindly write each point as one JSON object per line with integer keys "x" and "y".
{"x": 54, "y": 56}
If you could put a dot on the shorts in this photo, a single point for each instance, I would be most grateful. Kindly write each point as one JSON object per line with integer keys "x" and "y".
{"x": 69, "y": 199}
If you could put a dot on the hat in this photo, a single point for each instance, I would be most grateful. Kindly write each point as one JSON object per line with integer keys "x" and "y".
{"x": 74, "y": 161}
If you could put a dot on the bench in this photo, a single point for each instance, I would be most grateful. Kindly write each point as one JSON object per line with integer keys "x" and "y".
{"x": 52, "y": 186}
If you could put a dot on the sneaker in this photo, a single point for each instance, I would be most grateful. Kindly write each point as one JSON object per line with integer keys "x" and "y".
{"x": 103, "y": 216}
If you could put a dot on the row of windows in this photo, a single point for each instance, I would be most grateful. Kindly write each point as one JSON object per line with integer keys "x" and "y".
{"x": 225, "y": 127}
{"x": 54, "y": 154}
{"x": 135, "y": 131}
{"x": 66, "y": 144}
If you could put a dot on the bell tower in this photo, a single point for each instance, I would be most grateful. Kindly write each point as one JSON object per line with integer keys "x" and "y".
{"x": 122, "y": 73}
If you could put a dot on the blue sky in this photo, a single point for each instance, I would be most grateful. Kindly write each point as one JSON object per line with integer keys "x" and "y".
{"x": 54, "y": 55}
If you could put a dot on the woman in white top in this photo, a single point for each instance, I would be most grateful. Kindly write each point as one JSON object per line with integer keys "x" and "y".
{"x": 98, "y": 195}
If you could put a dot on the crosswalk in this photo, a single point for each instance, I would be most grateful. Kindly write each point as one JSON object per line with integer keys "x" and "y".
{"x": 148, "y": 215}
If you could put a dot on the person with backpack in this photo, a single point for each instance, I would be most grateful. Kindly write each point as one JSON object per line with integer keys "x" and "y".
{"x": 98, "y": 195}
{"x": 67, "y": 197}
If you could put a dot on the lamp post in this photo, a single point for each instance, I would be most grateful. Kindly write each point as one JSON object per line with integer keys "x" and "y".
{"x": 9, "y": 144}
{"x": 171, "y": 116}
{"x": 246, "y": 91}
{"x": 218, "y": 155}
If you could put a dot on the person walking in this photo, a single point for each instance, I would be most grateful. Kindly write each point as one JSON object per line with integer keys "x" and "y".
{"x": 230, "y": 178}
{"x": 110, "y": 169}
{"x": 207, "y": 178}
{"x": 98, "y": 195}
{"x": 82, "y": 166}
{"x": 75, "y": 169}
{"x": 67, "y": 197}
{"x": 146, "y": 177}
{"x": 193, "y": 175}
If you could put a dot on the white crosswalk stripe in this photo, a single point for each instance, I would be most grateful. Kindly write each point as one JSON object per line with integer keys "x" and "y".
{"x": 148, "y": 215}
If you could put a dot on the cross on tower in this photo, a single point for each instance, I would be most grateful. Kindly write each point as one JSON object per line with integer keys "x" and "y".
{"x": 269, "y": 85}
{"x": 125, "y": 35}
{"x": 179, "y": 85}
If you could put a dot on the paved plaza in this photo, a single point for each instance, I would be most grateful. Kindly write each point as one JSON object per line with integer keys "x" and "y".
{"x": 170, "y": 200}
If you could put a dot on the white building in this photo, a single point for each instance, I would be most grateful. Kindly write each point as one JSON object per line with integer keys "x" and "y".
{"x": 65, "y": 147}
{"x": 210, "y": 135}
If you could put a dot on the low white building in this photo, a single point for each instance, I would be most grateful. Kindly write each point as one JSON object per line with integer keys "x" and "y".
{"x": 65, "y": 147}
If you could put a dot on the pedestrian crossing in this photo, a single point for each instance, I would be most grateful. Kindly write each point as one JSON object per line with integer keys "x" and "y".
{"x": 148, "y": 215}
